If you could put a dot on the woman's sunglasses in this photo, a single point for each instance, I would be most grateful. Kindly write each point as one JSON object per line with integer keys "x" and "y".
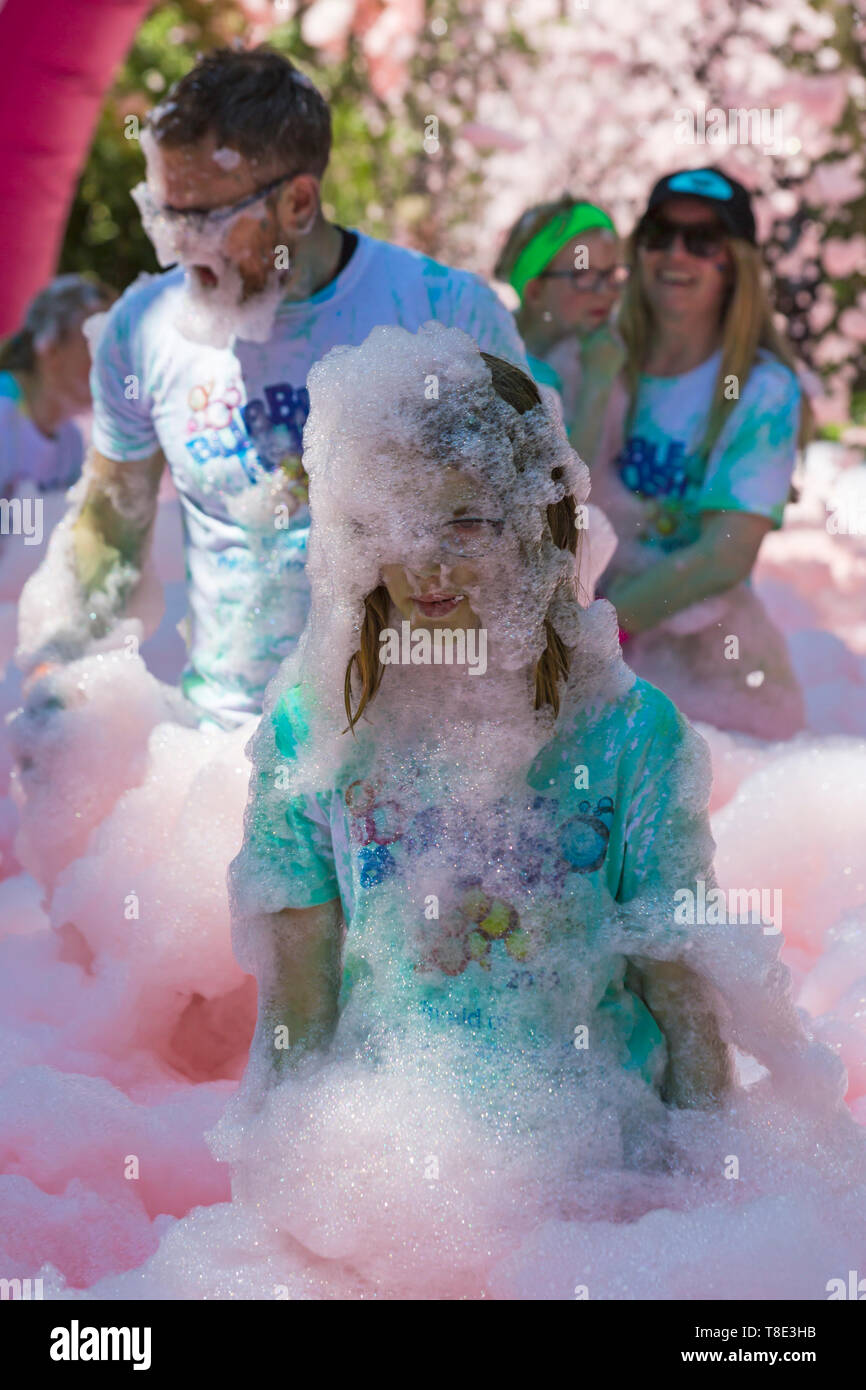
{"x": 701, "y": 239}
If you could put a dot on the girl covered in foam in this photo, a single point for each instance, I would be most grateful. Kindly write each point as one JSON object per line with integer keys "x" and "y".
{"x": 458, "y": 876}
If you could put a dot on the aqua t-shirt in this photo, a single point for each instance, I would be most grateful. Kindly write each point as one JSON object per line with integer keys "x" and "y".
{"x": 229, "y": 419}
{"x": 543, "y": 373}
{"x": 748, "y": 469}
{"x": 519, "y": 954}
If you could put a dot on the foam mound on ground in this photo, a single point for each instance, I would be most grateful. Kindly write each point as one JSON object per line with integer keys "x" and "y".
{"x": 125, "y": 1024}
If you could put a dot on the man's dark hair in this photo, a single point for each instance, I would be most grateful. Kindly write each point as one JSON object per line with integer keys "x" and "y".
{"x": 253, "y": 101}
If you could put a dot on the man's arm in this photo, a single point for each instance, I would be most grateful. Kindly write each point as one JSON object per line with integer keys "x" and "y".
{"x": 95, "y": 560}
{"x": 723, "y": 555}
{"x": 115, "y": 522}
{"x": 300, "y": 987}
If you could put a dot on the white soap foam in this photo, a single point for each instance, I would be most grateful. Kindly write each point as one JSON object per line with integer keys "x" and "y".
{"x": 124, "y": 1036}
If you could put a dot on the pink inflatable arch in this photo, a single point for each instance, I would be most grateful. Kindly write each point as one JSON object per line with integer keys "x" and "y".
{"x": 57, "y": 59}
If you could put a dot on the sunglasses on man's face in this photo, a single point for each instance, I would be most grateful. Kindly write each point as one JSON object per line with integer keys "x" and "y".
{"x": 701, "y": 239}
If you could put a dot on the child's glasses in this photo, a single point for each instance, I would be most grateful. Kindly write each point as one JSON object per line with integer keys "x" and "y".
{"x": 467, "y": 537}
{"x": 701, "y": 239}
{"x": 590, "y": 281}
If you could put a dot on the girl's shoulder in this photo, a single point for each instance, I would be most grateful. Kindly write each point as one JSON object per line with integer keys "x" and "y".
{"x": 645, "y": 712}
{"x": 290, "y": 721}
{"x": 634, "y": 745}
{"x": 324, "y": 757}
{"x": 628, "y": 730}
{"x": 657, "y": 746}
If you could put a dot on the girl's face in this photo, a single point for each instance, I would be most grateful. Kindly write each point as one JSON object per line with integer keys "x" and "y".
{"x": 578, "y": 298}
{"x": 682, "y": 282}
{"x": 452, "y": 555}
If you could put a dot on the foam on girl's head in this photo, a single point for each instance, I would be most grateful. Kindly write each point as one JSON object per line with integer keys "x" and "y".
{"x": 386, "y": 419}
{"x": 404, "y": 396}
{"x": 388, "y": 416}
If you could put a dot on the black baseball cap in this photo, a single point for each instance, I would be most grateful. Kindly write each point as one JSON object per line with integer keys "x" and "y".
{"x": 729, "y": 199}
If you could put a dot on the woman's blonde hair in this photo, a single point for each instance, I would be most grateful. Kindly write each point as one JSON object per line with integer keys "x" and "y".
{"x": 747, "y": 325}
{"x": 519, "y": 391}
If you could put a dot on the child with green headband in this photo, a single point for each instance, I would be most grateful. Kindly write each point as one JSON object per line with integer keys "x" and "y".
{"x": 563, "y": 260}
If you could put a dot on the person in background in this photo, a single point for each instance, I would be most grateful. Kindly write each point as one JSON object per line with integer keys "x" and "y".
{"x": 695, "y": 465}
{"x": 564, "y": 261}
{"x": 45, "y": 383}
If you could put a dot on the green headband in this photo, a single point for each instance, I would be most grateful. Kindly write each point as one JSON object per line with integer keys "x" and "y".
{"x": 553, "y": 236}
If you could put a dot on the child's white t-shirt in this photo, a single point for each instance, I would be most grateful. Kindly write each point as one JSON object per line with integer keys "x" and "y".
{"x": 228, "y": 418}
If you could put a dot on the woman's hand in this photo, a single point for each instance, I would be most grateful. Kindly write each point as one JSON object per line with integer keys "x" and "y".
{"x": 723, "y": 556}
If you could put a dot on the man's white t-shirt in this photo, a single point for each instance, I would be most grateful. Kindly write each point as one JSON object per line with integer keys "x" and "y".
{"x": 230, "y": 420}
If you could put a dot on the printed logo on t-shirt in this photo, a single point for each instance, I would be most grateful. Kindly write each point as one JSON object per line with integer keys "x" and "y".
{"x": 265, "y": 434}
{"x": 584, "y": 838}
{"x": 663, "y": 474}
{"x": 649, "y": 472}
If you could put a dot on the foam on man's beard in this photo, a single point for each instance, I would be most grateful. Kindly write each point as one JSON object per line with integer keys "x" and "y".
{"x": 210, "y": 315}
{"x": 215, "y": 315}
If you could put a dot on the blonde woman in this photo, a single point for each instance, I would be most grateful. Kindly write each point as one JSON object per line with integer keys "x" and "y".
{"x": 695, "y": 465}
